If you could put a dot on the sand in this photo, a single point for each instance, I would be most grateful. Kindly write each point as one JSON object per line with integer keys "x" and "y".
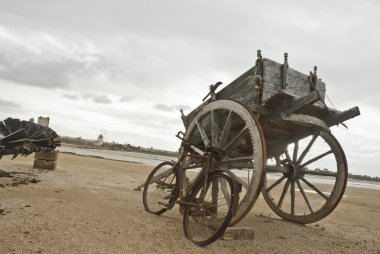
{"x": 89, "y": 205}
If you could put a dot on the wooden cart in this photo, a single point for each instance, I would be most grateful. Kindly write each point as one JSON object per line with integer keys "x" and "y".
{"x": 271, "y": 128}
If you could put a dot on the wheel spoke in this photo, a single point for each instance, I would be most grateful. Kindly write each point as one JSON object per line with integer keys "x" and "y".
{"x": 226, "y": 194}
{"x": 304, "y": 196}
{"x": 316, "y": 158}
{"x": 284, "y": 191}
{"x": 276, "y": 169}
{"x": 160, "y": 176}
{"x": 288, "y": 156}
{"x": 292, "y": 197}
{"x": 204, "y": 137}
{"x": 314, "y": 188}
{"x": 225, "y": 132}
{"x": 235, "y": 139}
{"x": 295, "y": 151}
{"x": 275, "y": 184}
{"x": 244, "y": 184}
{"x": 214, "y": 129}
{"x": 307, "y": 149}
{"x": 214, "y": 192}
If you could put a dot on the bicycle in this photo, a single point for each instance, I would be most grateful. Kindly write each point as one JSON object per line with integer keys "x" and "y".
{"x": 207, "y": 203}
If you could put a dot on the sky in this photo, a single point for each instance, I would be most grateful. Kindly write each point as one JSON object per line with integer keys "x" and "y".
{"x": 125, "y": 68}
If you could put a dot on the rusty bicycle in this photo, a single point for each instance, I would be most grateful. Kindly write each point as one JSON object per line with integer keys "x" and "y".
{"x": 207, "y": 203}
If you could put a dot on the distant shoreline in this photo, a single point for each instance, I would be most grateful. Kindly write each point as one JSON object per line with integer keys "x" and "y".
{"x": 357, "y": 178}
{"x": 124, "y": 148}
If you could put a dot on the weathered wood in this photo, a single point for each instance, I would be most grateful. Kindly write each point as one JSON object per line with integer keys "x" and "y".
{"x": 46, "y": 155}
{"x": 295, "y": 105}
{"x": 343, "y": 116}
{"x": 303, "y": 119}
{"x": 44, "y": 164}
{"x": 297, "y": 82}
{"x": 284, "y": 91}
{"x": 241, "y": 89}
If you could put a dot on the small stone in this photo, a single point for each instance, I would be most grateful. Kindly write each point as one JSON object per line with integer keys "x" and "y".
{"x": 1, "y": 211}
{"x": 27, "y": 205}
{"x": 27, "y": 232}
{"x": 34, "y": 180}
{"x": 241, "y": 233}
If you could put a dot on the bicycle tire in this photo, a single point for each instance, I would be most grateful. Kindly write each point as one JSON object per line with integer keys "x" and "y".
{"x": 204, "y": 214}
{"x": 160, "y": 195}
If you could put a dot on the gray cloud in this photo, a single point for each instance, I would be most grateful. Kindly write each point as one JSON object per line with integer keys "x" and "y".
{"x": 168, "y": 108}
{"x": 5, "y": 104}
{"x": 101, "y": 99}
{"x": 71, "y": 96}
{"x": 124, "y": 99}
{"x": 24, "y": 66}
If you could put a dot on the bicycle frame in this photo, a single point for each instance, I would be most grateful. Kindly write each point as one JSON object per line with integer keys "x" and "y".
{"x": 207, "y": 167}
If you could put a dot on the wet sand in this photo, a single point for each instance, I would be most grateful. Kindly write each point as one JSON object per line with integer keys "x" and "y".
{"x": 89, "y": 205}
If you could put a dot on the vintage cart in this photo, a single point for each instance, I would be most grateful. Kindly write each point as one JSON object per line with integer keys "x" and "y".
{"x": 271, "y": 128}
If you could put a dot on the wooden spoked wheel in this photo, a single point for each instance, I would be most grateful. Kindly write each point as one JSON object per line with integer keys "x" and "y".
{"x": 234, "y": 135}
{"x": 307, "y": 181}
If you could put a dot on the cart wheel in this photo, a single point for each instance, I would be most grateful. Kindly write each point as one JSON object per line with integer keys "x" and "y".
{"x": 161, "y": 188}
{"x": 236, "y": 137}
{"x": 314, "y": 174}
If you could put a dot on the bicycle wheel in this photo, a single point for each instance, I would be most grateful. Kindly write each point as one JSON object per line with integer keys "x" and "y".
{"x": 210, "y": 210}
{"x": 160, "y": 189}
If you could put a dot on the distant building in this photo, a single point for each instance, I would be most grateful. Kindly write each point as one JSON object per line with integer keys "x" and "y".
{"x": 99, "y": 141}
{"x": 44, "y": 121}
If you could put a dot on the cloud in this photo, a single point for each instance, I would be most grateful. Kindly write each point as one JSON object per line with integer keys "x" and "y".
{"x": 71, "y": 96}
{"x": 170, "y": 108}
{"x": 96, "y": 98}
{"x": 101, "y": 99}
{"x": 23, "y": 66}
{"x": 43, "y": 60}
{"x": 124, "y": 99}
{"x": 5, "y": 104}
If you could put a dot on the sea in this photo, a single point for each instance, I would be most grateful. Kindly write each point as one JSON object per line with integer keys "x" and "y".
{"x": 153, "y": 160}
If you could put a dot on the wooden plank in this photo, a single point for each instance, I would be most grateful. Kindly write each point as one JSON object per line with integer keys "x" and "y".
{"x": 343, "y": 116}
{"x": 295, "y": 105}
{"x": 241, "y": 89}
{"x": 305, "y": 119}
{"x": 297, "y": 82}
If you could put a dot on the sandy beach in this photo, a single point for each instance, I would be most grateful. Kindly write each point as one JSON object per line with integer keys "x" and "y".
{"x": 89, "y": 205}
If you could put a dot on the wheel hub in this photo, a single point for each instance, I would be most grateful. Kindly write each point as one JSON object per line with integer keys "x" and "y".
{"x": 294, "y": 171}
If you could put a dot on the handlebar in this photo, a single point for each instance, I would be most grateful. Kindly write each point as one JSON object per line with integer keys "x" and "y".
{"x": 192, "y": 146}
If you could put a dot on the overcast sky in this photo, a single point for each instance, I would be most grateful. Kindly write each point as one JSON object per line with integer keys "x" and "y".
{"x": 128, "y": 66}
